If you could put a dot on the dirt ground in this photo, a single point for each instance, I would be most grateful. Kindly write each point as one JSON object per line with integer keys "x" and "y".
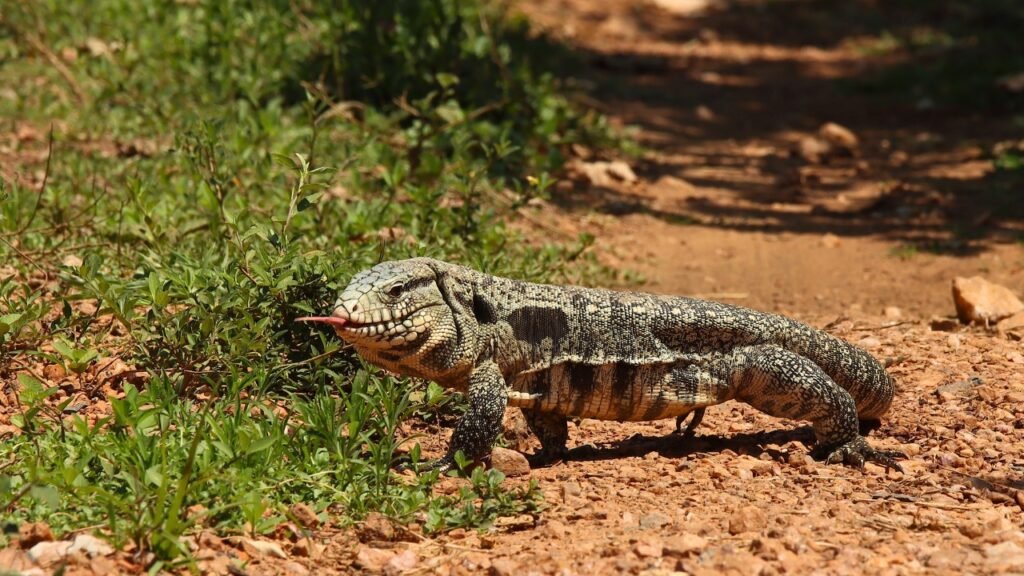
{"x": 742, "y": 198}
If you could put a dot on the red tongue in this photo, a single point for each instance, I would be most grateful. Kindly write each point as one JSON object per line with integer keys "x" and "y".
{"x": 332, "y": 320}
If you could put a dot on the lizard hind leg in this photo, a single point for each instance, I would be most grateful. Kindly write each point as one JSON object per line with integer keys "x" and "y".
{"x": 784, "y": 384}
{"x": 553, "y": 432}
{"x": 697, "y": 416}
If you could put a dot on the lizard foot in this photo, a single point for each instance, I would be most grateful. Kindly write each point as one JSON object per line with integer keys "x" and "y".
{"x": 691, "y": 428}
{"x": 856, "y": 452}
{"x": 543, "y": 458}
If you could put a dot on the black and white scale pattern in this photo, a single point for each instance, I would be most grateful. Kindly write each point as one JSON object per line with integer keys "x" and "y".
{"x": 562, "y": 352}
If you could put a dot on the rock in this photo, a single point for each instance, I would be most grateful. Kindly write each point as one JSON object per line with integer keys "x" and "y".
{"x": 257, "y": 548}
{"x": 839, "y": 136}
{"x": 830, "y": 240}
{"x": 293, "y": 568}
{"x": 813, "y": 149}
{"x": 571, "y": 491}
{"x": 14, "y": 559}
{"x": 373, "y": 559}
{"x": 893, "y": 313}
{"x": 621, "y": 171}
{"x": 983, "y": 302}
{"x": 1012, "y": 82}
{"x": 90, "y": 545}
{"x": 54, "y": 372}
{"x": 402, "y": 562}
{"x": 48, "y": 553}
{"x": 375, "y": 527}
{"x": 509, "y": 462}
{"x": 604, "y": 173}
{"x": 654, "y": 520}
{"x": 684, "y": 545}
{"x": 943, "y": 324}
{"x": 747, "y": 519}
{"x": 554, "y": 529}
{"x": 304, "y": 515}
{"x": 648, "y": 548}
{"x": 515, "y": 431}
{"x": 504, "y": 567}
{"x": 1012, "y": 327}
{"x": 1004, "y": 557}
{"x": 33, "y": 533}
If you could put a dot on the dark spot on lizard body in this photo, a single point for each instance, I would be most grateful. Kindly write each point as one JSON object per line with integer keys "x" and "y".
{"x": 532, "y": 324}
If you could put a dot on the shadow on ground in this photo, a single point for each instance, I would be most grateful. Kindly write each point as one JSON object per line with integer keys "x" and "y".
{"x": 729, "y": 98}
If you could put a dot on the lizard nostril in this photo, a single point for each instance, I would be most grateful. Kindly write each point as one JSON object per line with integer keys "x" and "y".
{"x": 355, "y": 307}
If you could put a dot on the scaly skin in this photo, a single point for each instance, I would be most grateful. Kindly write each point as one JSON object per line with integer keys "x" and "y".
{"x": 562, "y": 351}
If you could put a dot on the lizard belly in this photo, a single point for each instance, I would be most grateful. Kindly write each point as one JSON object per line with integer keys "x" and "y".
{"x": 616, "y": 391}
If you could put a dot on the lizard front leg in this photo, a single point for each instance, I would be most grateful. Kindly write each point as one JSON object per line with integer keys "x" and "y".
{"x": 476, "y": 431}
{"x": 782, "y": 383}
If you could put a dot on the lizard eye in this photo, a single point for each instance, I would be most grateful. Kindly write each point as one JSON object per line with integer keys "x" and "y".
{"x": 395, "y": 290}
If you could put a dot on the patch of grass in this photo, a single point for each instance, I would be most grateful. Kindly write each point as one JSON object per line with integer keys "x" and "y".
{"x": 957, "y": 59}
{"x": 214, "y": 171}
{"x": 904, "y": 251}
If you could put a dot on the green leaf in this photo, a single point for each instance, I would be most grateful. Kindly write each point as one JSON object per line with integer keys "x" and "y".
{"x": 446, "y": 80}
{"x": 261, "y": 445}
{"x": 46, "y": 495}
{"x": 64, "y": 349}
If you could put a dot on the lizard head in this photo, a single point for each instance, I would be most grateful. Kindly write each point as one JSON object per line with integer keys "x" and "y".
{"x": 396, "y": 316}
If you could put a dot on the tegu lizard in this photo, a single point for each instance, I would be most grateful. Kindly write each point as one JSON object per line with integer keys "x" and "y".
{"x": 560, "y": 352}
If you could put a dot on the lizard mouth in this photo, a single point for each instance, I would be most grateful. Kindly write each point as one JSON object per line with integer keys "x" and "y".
{"x": 346, "y": 326}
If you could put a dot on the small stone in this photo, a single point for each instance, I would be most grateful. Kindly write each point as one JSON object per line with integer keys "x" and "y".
{"x": 257, "y": 548}
{"x": 839, "y": 136}
{"x": 813, "y": 149}
{"x": 684, "y": 545}
{"x": 830, "y": 240}
{"x": 980, "y": 301}
{"x": 90, "y": 545}
{"x": 648, "y": 548}
{"x": 509, "y": 462}
{"x": 307, "y": 548}
{"x": 943, "y": 324}
{"x": 72, "y": 261}
{"x": 893, "y": 313}
{"x": 620, "y": 170}
{"x": 747, "y": 519}
{"x": 571, "y": 490}
{"x": 373, "y": 559}
{"x": 33, "y": 533}
{"x": 654, "y": 520}
{"x": 402, "y": 562}
{"x": 47, "y": 553}
{"x": 375, "y": 527}
{"x": 54, "y": 372}
{"x": 504, "y": 567}
{"x": 293, "y": 568}
{"x": 14, "y": 559}
{"x": 304, "y": 515}
{"x": 869, "y": 342}
{"x": 1004, "y": 557}
{"x": 554, "y": 529}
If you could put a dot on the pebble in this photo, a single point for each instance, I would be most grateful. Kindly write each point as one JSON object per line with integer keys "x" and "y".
{"x": 979, "y": 301}
{"x": 511, "y": 463}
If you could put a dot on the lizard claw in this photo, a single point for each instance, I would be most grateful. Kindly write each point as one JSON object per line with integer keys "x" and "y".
{"x": 857, "y": 451}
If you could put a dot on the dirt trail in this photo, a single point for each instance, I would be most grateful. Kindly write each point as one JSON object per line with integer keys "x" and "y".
{"x": 727, "y": 203}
